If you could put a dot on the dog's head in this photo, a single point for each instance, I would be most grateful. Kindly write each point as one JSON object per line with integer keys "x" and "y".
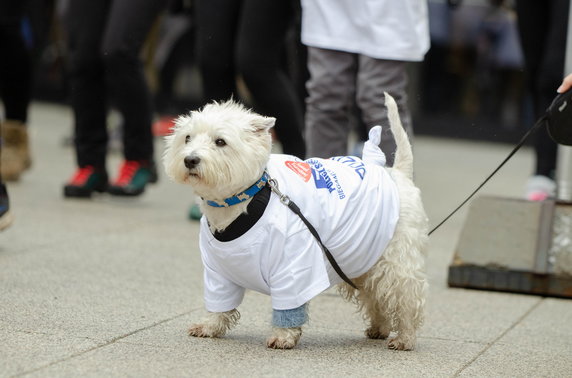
{"x": 218, "y": 150}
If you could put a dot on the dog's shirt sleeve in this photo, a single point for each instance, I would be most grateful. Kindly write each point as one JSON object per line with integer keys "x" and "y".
{"x": 220, "y": 294}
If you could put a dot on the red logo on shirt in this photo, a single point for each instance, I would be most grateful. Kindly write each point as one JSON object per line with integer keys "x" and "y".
{"x": 300, "y": 168}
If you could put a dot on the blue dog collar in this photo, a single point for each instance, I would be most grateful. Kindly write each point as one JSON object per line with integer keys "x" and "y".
{"x": 241, "y": 197}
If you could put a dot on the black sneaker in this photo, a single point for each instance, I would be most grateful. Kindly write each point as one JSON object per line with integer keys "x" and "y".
{"x": 133, "y": 176}
{"x": 5, "y": 214}
{"x": 85, "y": 181}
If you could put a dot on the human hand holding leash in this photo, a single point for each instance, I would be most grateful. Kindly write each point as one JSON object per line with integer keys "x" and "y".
{"x": 566, "y": 84}
{"x": 559, "y": 114}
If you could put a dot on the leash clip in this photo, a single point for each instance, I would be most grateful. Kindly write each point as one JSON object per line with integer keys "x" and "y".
{"x": 274, "y": 187}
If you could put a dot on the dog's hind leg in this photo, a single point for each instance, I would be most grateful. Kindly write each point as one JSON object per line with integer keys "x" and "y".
{"x": 373, "y": 312}
{"x": 369, "y": 304}
{"x": 379, "y": 322}
{"x": 396, "y": 288}
{"x": 215, "y": 324}
{"x": 409, "y": 299}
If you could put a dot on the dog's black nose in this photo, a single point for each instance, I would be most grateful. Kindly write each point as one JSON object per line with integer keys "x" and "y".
{"x": 192, "y": 161}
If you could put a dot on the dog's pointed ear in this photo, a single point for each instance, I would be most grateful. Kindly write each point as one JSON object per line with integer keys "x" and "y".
{"x": 263, "y": 124}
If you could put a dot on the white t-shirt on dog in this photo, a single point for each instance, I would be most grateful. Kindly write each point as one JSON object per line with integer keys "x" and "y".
{"x": 354, "y": 207}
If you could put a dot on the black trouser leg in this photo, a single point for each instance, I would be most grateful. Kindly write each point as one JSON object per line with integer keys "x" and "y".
{"x": 128, "y": 25}
{"x": 86, "y": 22}
{"x": 15, "y": 64}
{"x": 216, "y": 22}
{"x": 261, "y": 62}
{"x": 543, "y": 28}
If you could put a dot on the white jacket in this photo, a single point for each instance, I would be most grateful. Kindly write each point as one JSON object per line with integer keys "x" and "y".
{"x": 381, "y": 29}
{"x": 353, "y": 205}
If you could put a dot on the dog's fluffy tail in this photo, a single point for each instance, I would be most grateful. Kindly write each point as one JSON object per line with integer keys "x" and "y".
{"x": 403, "y": 155}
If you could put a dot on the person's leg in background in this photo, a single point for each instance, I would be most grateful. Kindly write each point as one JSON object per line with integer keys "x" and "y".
{"x": 297, "y": 55}
{"x": 128, "y": 24}
{"x": 331, "y": 91}
{"x": 260, "y": 59}
{"x": 86, "y": 20}
{"x": 549, "y": 77}
{"x": 216, "y": 26}
{"x": 376, "y": 76}
{"x": 15, "y": 90}
{"x": 543, "y": 30}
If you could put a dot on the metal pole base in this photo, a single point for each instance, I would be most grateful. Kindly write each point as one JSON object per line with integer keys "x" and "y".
{"x": 516, "y": 246}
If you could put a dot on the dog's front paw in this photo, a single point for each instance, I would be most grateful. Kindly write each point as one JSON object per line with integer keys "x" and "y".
{"x": 401, "y": 343}
{"x": 204, "y": 330}
{"x": 215, "y": 324}
{"x": 284, "y": 338}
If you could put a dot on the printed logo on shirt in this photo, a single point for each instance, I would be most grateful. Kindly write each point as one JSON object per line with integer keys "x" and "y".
{"x": 300, "y": 168}
{"x": 353, "y": 162}
{"x": 326, "y": 179}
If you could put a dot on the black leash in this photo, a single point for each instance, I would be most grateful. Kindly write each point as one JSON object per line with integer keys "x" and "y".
{"x": 292, "y": 206}
{"x": 558, "y": 118}
{"x": 536, "y": 126}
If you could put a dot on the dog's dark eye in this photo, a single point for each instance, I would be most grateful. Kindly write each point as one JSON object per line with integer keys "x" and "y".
{"x": 187, "y": 139}
{"x": 220, "y": 142}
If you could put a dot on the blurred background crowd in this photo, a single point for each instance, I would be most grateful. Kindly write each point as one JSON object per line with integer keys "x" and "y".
{"x": 470, "y": 83}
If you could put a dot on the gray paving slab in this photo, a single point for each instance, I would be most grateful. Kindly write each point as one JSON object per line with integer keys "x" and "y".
{"x": 23, "y": 351}
{"x": 95, "y": 291}
{"x": 108, "y": 287}
{"x": 534, "y": 347}
{"x": 473, "y": 316}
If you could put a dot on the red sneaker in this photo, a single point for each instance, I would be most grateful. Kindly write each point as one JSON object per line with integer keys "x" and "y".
{"x": 85, "y": 181}
{"x": 133, "y": 176}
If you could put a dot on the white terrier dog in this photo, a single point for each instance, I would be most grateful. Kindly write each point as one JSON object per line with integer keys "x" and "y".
{"x": 370, "y": 218}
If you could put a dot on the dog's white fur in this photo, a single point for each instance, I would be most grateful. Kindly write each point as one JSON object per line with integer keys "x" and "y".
{"x": 233, "y": 145}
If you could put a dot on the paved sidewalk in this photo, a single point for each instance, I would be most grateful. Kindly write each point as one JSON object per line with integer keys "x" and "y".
{"x": 107, "y": 287}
